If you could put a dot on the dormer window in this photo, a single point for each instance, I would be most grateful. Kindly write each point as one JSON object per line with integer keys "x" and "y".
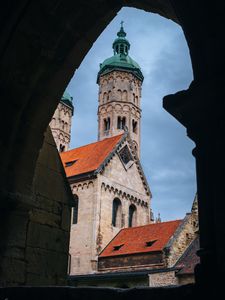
{"x": 150, "y": 243}
{"x": 70, "y": 163}
{"x": 117, "y": 247}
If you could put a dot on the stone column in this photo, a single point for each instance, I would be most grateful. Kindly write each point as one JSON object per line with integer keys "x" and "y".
{"x": 202, "y": 111}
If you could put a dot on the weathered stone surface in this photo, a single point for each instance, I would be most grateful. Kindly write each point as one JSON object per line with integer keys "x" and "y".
{"x": 17, "y": 238}
{"x": 47, "y": 237}
{"x": 66, "y": 217}
{"x": 14, "y": 271}
{"x": 15, "y": 252}
{"x": 48, "y": 205}
{"x": 51, "y": 179}
{"x": 53, "y": 261}
{"x": 162, "y": 279}
{"x": 45, "y": 218}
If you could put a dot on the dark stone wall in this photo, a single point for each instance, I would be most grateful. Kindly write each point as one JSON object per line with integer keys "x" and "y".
{"x": 142, "y": 259}
{"x": 36, "y": 244}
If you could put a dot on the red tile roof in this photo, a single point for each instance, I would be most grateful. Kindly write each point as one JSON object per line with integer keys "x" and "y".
{"x": 89, "y": 157}
{"x": 134, "y": 239}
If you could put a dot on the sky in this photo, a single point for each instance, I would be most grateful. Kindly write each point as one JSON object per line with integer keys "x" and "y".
{"x": 158, "y": 45}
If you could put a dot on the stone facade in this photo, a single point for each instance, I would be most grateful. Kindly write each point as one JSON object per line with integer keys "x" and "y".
{"x": 119, "y": 106}
{"x": 185, "y": 234}
{"x": 61, "y": 126}
{"x": 162, "y": 279}
{"x": 94, "y": 226}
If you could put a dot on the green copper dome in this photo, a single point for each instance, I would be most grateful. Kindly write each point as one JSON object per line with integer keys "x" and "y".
{"x": 67, "y": 99}
{"x": 120, "y": 60}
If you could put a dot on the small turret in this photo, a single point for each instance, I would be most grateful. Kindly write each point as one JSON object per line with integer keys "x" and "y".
{"x": 61, "y": 122}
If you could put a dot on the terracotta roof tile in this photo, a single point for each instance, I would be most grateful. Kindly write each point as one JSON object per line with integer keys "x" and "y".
{"x": 134, "y": 239}
{"x": 89, "y": 157}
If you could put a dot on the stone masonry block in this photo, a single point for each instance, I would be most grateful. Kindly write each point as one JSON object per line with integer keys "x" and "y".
{"x": 45, "y": 218}
{"x": 52, "y": 185}
{"x": 13, "y": 270}
{"x": 66, "y": 218}
{"x": 46, "y": 263}
{"x": 48, "y": 205}
{"x": 47, "y": 237}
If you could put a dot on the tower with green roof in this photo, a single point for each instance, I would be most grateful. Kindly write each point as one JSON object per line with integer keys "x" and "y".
{"x": 120, "y": 80}
{"x": 61, "y": 122}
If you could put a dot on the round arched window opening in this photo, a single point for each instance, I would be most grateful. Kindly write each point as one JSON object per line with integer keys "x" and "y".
{"x": 116, "y": 213}
{"x": 132, "y": 221}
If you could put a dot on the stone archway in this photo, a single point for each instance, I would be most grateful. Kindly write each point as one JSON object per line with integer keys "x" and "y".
{"x": 43, "y": 43}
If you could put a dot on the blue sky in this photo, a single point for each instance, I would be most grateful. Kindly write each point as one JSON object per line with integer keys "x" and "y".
{"x": 159, "y": 47}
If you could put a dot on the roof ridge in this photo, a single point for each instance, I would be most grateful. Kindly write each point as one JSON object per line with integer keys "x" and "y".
{"x": 180, "y": 220}
{"x": 115, "y": 136}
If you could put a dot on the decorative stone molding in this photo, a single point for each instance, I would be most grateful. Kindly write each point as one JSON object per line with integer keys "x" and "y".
{"x": 81, "y": 186}
{"x": 120, "y": 193}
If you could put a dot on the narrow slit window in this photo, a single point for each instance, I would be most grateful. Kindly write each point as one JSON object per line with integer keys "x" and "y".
{"x": 75, "y": 209}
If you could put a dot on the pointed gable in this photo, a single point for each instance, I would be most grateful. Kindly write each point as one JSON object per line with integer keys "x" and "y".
{"x": 88, "y": 158}
{"x": 141, "y": 239}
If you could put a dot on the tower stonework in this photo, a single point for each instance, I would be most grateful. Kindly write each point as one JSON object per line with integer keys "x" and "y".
{"x": 120, "y": 80}
{"x": 61, "y": 123}
{"x": 106, "y": 177}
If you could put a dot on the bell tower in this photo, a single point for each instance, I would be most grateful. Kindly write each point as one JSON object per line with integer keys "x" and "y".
{"x": 61, "y": 122}
{"x": 120, "y": 80}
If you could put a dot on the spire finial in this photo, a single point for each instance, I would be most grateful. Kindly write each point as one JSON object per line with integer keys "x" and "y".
{"x": 121, "y": 33}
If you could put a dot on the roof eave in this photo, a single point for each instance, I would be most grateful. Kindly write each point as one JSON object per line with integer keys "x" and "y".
{"x": 135, "y": 71}
{"x": 134, "y": 253}
{"x": 82, "y": 177}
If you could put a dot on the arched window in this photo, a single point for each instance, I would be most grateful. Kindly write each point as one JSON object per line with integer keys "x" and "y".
{"x": 106, "y": 124}
{"x": 121, "y": 122}
{"x": 118, "y": 122}
{"x": 109, "y": 95}
{"x": 75, "y": 209}
{"x": 119, "y": 93}
{"x": 136, "y": 100}
{"x": 116, "y": 213}
{"x": 134, "y": 126}
{"x": 104, "y": 97}
{"x": 132, "y": 221}
{"x": 61, "y": 148}
{"x": 124, "y": 95}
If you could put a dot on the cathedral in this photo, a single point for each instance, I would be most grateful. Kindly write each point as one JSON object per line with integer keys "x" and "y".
{"x": 112, "y": 198}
